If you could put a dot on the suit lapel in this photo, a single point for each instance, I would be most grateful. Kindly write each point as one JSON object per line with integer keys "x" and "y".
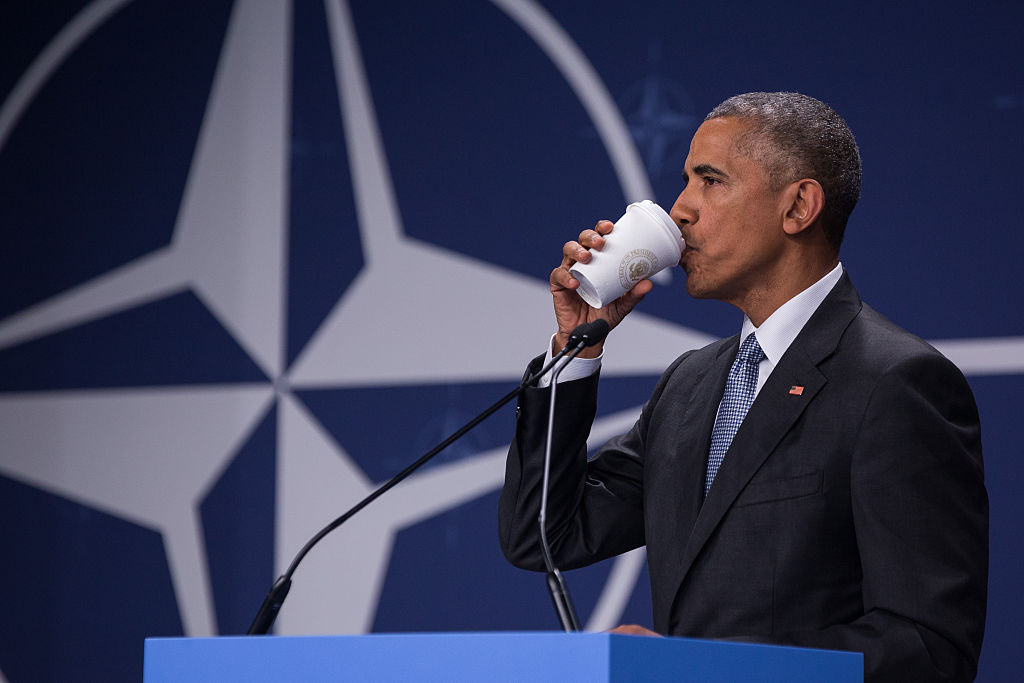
{"x": 771, "y": 416}
{"x": 693, "y": 433}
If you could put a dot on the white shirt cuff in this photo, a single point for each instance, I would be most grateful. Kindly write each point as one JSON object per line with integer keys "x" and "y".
{"x": 578, "y": 368}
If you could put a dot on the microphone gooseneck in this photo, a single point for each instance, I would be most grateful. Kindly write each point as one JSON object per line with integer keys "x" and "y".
{"x": 268, "y": 611}
{"x": 586, "y": 335}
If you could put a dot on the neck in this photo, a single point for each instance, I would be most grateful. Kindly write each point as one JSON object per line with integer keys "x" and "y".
{"x": 785, "y": 283}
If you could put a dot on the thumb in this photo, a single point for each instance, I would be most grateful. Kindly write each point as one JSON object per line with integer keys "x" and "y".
{"x": 630, "y": 299}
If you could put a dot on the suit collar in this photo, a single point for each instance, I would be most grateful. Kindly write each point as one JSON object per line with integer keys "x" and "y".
{"x": 777, "y": 333}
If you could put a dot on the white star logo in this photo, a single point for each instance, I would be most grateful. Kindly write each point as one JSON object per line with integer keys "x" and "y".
{"x": 172, "y": 444}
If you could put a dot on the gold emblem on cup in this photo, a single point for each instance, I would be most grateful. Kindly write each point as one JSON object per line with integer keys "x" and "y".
{"x": 635, "y": 266}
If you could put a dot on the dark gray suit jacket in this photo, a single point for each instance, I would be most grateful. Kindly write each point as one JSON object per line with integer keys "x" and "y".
{"x": 850, "y": 516}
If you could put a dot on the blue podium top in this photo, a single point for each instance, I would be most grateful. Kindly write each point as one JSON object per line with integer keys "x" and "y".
{"x": 523, "y": 656}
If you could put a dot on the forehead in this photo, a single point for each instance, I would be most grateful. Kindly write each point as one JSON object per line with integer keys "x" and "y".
{"x": 717, "y": 140}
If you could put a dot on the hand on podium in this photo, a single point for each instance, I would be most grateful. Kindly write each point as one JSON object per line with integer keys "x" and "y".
{"x": 633, "y": 630}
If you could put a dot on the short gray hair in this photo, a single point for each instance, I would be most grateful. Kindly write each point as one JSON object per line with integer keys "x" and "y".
{"x": 795, "y": 136}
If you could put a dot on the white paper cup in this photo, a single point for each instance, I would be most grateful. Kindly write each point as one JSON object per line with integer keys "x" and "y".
{"x": 645, "y": 241}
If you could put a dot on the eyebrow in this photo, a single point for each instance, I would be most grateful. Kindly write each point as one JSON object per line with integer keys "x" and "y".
{"x": 708, "y": 169}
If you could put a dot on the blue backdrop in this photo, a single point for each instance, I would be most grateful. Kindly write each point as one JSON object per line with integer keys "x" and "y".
{"x": 251, "y": 250}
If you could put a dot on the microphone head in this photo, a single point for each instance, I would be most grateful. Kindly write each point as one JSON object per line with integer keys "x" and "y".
{"x": 589, "y": 333}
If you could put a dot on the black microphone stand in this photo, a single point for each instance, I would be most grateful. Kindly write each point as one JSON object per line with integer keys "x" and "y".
{"x": 556, "y": 584}
{"x": 268, "y": 611}
{"x": 595, "y": 332}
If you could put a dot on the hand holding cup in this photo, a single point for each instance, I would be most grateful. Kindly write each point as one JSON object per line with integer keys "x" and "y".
{"x": 604, "y": 275}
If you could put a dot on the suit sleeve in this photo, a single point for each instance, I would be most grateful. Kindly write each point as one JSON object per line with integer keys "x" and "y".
{"x": 920, "y": 511}
{"x": 595, "y": 508}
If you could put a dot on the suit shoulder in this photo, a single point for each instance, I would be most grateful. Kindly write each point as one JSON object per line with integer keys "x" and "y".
{"x": 703, "y": 355}
{"x": 690, "y": 362}
{"x": 882, "y": 346}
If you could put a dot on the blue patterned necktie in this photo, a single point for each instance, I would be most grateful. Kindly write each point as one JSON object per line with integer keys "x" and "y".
{"x": 739, "y": 394}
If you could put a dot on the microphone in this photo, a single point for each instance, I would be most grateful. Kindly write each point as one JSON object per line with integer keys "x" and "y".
{"x": 589, "y": 333}
{"x": 585, "y": 335}
{"x": 582, "y": 337}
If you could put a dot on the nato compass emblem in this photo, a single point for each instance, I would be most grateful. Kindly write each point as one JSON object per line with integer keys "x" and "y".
{"x": 231, "y": 234}
{"x": 209, "y": 370}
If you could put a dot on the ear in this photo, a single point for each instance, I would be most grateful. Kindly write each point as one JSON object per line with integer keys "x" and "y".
{"x": 804, "y": 200}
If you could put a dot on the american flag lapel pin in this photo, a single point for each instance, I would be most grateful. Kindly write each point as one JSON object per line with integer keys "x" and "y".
{"x": 796, "y": 390}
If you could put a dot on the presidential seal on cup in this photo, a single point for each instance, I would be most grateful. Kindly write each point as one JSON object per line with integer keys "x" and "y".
{"x": 645, "y": 241}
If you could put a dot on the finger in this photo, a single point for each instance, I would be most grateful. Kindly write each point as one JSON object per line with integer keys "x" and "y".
{"x": 632, "y": 630}
{"x": 628, "y": 301}
{"x": 561, "y": 278}
{"x": 573, "y": 252}
{"x": 640, "y": 290}
{"x": 591, "y": 239}
{"x": 604, "y": 227}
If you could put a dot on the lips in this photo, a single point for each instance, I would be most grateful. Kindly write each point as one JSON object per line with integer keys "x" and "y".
{"x": 687, "y": 250}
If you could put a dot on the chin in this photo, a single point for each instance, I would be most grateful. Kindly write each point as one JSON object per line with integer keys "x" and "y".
{"x": 695, "y": 290}
{"x": 698, "y": 289}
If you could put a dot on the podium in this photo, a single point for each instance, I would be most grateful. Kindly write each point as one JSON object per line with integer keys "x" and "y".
{"x": 525, "y": 656}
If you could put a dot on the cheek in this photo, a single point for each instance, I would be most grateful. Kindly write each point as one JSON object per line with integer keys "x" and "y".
{"x": 719, "y": 244}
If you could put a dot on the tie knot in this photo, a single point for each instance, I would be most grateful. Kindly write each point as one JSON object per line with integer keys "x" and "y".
{"x": 750, "y": 351}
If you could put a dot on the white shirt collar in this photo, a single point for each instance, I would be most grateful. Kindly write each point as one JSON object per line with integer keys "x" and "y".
{"x": 780, "y": 329}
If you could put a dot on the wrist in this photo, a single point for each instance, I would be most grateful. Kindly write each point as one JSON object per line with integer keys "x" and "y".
{"x": 560, "y": 340}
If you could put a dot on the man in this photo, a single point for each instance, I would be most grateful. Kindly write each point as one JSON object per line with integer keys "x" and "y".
{"x": 816, "y": 480}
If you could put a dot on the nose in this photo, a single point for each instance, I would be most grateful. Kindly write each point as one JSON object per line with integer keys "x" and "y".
{"x": 683, "y": 211}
